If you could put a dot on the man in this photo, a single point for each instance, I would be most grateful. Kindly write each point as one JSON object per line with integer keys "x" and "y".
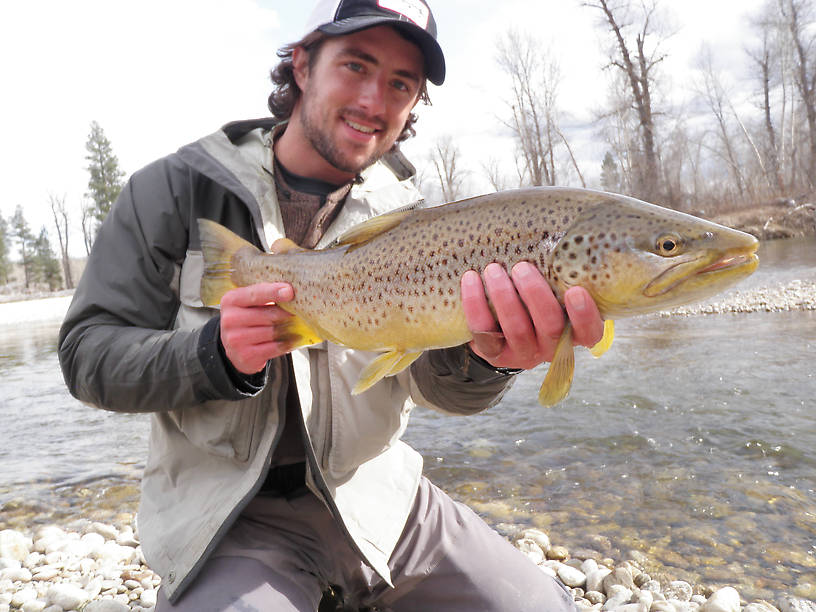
{"x": 267, "y": 481}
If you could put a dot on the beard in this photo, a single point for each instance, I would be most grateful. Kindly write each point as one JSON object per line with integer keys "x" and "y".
{"x": 320, "y": 137}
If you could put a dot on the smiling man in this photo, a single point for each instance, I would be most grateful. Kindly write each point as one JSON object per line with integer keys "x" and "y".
{"x": 267, "y": 481}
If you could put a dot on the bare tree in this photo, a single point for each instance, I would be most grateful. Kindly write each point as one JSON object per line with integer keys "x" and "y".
{"x": 637, "y": 59}
{"x": 535, "y": 76}
{"x": 61, "y": 222}
{"x": 799, "y": 18}
{"x": 451, "y": 176}
{"x": 494, "y": 174}
{"x": 88, "y": 222}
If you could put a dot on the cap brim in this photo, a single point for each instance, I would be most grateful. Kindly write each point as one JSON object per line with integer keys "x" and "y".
{"x": 434, "y": 58}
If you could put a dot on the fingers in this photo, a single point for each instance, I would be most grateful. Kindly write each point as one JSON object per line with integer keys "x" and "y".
{"x": 588, "y": 326}
{"x": 252, "y": 326}
{"x": 527, "y": 313}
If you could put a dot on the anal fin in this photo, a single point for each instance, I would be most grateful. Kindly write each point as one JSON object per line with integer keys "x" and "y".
{"x": 606, "y": 342}
{"x": 558, "y": 381}
{"x": 387, "y": 364}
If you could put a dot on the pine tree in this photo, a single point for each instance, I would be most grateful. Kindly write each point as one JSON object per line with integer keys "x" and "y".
{"x": 610, "y": 178}
{"x": 5, "y": 262}
{"x": 21, "y": 231}
{"x": 105, "y": 181}
{"x": 46, "y": 267}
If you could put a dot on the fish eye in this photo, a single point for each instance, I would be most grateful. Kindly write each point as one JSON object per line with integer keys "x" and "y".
{"x": 669, "y": 245}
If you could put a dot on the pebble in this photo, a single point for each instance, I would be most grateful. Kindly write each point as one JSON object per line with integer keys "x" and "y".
{"x": 726, "y": 599}
{"x": 571, "y": 576}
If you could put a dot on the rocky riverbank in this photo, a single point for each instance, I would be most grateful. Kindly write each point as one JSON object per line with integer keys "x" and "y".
{"x": 98, "y": 567}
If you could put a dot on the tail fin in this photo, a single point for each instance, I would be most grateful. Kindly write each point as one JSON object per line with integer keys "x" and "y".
{"x": 218, "y": 244}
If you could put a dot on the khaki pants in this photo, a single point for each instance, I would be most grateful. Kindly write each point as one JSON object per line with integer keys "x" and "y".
{"x": 282, "y": 553}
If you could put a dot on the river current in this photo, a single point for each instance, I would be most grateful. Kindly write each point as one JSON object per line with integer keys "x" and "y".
{"x": 693, "y": 441}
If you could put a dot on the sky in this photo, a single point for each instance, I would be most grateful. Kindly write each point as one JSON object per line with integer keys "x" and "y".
{"x": 157, "y": 74}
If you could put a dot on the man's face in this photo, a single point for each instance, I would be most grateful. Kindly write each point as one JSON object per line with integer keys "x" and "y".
{"x": 356, "y": 98}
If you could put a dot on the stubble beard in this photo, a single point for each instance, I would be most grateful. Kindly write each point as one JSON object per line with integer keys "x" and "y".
{"x": 322, "y": 142}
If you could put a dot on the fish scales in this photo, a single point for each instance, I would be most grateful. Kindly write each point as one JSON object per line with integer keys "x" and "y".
{"x": 392, "y": 284}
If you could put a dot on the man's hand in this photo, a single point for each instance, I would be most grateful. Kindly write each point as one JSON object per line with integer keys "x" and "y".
{"x": 250, "y": 325}
{"x": 530, "y": 318}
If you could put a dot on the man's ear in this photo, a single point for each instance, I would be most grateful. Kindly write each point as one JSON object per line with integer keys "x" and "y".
{"x": 300, "y": 66}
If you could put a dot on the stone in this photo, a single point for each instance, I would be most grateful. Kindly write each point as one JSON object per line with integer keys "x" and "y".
{"x": 127, "y": 538}
{"x": 595, "y": 597}
{"x": 662, "y": 606}
{"x": 35, "y": 605}
{"x": 588, "y": 566}
{"x": 595, "y": 579}
{"x": 54, "y": 609}
{"x": 646, "y": 598}
{"x": 622, "y": 576}
{"x": 787, "y": 603}
{"x": 14, "y": 545}
{"x": 632, "y": 607}
{"x": 531, "y": 549}
{"x": 148, "y": 598}
{"x": 537, "y": 536}
{"x": 558, "y": 553}
{"x": 19, "y": 574}
{"x": 617, "y": 596}
{"x": 726, "y": 599}
{"x": 641, "y": 579}
{"x": 106, "y": 605}
{"x": 46, "y": 572}
{"x": 571, "y": 576}
{"x": 651, "y": 585}
{"x": 22, "y": 596}
{"x": 6, "y": 563}
{"x": 679, "y": 590}
{"x": 109, "y": 532}
{"x": 760, "y": 606}
{"x": 66, "y": 595}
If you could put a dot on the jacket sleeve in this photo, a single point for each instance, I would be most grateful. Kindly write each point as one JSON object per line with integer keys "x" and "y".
{"x": 457, "y": 381}
{"x": 117, "y": 346}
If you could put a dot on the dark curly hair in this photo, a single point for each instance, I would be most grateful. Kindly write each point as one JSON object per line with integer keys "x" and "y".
{"x": 286, "y": 92}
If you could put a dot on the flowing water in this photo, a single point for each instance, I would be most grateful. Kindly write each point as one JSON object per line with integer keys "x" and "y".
{"x": 692, "y": 441}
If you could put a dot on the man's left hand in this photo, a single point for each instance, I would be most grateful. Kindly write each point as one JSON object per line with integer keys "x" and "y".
{"x": 530, "y": 318}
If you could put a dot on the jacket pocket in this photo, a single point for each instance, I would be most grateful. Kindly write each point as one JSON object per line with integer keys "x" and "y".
{"x": 221, "y": 428}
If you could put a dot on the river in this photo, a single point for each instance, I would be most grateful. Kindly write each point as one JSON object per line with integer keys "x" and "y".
{"x": 692, "y": 441}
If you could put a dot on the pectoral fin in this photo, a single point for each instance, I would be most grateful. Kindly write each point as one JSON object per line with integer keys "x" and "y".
{"x": 387, "y": 364}
{"x": 558, "y": 381}
{"x": 297, "y": 332}
{"x": 605, "y": 342}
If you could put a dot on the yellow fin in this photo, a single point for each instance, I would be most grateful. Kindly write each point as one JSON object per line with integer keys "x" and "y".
{"x": 218, "y": 245}
{"x": 375, "y": 226}
{"x": 387, "y": 364}
{"x": 284, "y": 245}
{"x": 558, "y": 381}
{"x": 297, "y": 332}
{"x": 606, "y": 342}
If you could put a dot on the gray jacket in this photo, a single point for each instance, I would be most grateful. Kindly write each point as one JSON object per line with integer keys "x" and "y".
{"x": 137, "y": 338}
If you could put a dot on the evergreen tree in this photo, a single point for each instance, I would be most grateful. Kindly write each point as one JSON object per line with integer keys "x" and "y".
{"x": 610, "y": 177}
{"x": 105, "y": 180}
{"x": 5, "y": 262}
{"x": 46, "y": 267}
{"x": 21, "y": 231}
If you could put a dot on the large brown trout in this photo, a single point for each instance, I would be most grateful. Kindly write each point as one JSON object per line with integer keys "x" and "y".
{"x": 391, "y": 284}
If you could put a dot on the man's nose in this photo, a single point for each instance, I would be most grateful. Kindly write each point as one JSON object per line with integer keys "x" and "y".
{"x": 372, "y": 96}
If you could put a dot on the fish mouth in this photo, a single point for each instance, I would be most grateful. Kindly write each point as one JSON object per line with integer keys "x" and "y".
{"x": 734, "y": 265}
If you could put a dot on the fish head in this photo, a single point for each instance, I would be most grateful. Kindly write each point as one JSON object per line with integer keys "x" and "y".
{"x": 634, "y": 257}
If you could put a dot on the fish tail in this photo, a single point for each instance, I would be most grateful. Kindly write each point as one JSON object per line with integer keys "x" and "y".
{"x": 218, "y": 245}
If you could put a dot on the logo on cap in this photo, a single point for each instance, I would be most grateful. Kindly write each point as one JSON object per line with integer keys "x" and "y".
{"x": 413, "y": 10}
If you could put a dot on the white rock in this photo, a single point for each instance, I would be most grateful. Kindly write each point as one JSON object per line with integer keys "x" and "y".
{"x": 539, "y": 537}
{"x": 6, "y": 563}
{"x": 548, "y": 570}
{"x": 646, "y": 598}
{"x": 595, "y": 579}
{"x": 617, "y": 596}
{"x": 54, "y": 609}
{"x": 127, "y": 538}
{"x": 115, "y": 553}
{"x": 760, "y": 606}
{"x": 588, "y": 566}
{"x": 148, "y": 598}
{"x": 571, "y": 576}
{"x": 33, "y": 606}
{"x": 18, "y": 574}
{"x": 93, "y": 540}
{"x": 531, "y": 548}
{"x": 632, "y": 607}
{"x": 679, "y": 590}
{"x": 93, "y": 587}
{"x": 106, "y": 605}
{"x": 46, "y": 572}
{"x": 33, "y": 560}
{"x": 49, "y": 532}
{"x": 792, "y": 604}
{"x": 109, "y": 532}
{"x": 14, "y": 545}
{"x": 22, "y": 596}
{"x": 726, "y": 599}
{"x": 66, "y": 595}
{"x": 4, "y": 608}
{"x": 76, "y": 549}
{"x": 5, "y": 599}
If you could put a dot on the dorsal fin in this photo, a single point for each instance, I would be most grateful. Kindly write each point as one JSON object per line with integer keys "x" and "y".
{"x": 375, "y": 226}
{"x": 284, "y": 245}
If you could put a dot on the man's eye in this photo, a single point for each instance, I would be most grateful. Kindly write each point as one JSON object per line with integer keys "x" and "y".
{"x": 401, "y": 85}
{"x": 354, "y": 66}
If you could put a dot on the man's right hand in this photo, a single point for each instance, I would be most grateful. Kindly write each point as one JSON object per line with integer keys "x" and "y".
{"x": 250, "y": 325}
